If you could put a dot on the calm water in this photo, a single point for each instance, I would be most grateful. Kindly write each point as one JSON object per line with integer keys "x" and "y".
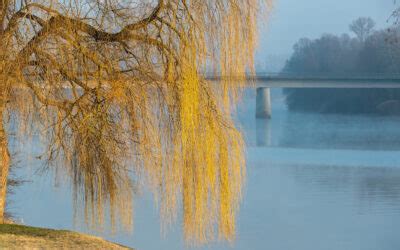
{"x": 314, "y": 182}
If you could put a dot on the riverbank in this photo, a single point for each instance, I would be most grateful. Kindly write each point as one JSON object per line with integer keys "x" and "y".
{"x": 24, "y": 237}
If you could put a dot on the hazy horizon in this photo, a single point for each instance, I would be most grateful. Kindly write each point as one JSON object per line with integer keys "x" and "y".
{"x": 291, "y": 20}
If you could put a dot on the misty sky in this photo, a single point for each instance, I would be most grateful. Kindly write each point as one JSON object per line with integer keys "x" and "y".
{"x": 291, "y": 20}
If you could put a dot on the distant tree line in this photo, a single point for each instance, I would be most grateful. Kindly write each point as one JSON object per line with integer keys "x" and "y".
{"x": 370, "y": 53}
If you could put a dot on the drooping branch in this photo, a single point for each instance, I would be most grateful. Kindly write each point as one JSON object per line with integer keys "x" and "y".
{"x": 4, "y": 4}
{"x": 129, "y": 96}
{"x": 13, "y": 23}
{"x": 58, "y": 21}
{"x": 144, "y": 22}
{"x": 97, "y": 34}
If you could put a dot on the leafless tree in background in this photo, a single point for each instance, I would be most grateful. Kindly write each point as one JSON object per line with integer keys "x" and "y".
{"x": 362, "y": 27}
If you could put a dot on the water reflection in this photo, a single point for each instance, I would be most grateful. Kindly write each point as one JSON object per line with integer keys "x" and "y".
{"x": 372, "y": 188}
{"x": 263, "y": 130}
{"x": 321, "y": 207}
{"x": 317, "y": 131}
{"x": 340, "y": 132}
{"x": 314, "y": 182}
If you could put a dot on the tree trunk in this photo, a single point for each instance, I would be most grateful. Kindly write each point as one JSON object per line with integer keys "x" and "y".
{"x": 4, "y": 166}
{"x": 4, "y": 154}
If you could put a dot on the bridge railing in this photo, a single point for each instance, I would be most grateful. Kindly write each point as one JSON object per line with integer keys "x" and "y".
{"x": 360, "y": 75}
{"x": 296, "y": 75}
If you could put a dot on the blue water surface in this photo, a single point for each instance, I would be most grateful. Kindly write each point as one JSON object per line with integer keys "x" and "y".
{"x": 314, "y": 182}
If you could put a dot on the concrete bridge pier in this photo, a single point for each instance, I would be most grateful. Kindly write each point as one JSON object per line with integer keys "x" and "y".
{"x": 263, "y": 133}
{"x": 263, "y": 103}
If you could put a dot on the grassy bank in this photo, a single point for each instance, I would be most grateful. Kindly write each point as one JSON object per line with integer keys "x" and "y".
{"x": 24, "y": 237}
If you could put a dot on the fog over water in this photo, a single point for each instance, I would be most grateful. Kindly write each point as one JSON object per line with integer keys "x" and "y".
{"x": 314, "y": 182}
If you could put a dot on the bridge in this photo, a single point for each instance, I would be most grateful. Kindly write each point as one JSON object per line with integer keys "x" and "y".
{"x": 266, "y": 81}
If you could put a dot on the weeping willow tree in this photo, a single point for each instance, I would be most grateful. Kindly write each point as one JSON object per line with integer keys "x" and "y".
{"x": 116, "y": 91}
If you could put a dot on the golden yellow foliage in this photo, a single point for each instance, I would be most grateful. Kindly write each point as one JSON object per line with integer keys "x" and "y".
{"x": 118, "y": 92}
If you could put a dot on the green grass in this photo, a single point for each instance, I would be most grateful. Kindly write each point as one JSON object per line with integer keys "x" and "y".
{"x": 24, "y": 237}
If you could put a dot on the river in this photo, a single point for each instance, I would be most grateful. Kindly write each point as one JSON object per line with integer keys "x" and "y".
{"x": 314, "y": 182}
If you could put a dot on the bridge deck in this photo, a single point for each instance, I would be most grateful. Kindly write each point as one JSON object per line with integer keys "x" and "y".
{"x": 272, "y": 82}
{"x": 324, "y": 82}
